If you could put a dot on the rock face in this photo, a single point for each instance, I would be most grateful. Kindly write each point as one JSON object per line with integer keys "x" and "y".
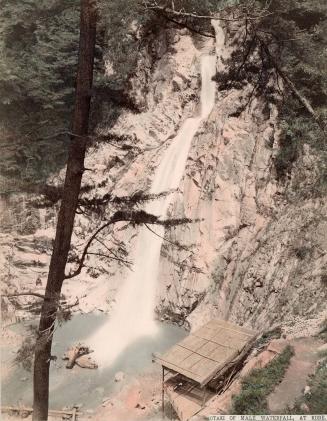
{"x": 255, "y": 254}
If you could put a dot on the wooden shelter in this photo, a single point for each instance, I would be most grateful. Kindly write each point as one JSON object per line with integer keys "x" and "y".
{"x": 197, "y": 363}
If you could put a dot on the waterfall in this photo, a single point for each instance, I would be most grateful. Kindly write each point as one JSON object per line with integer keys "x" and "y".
{"x": 134, "y": 315}
{"x": 42, "y": 216}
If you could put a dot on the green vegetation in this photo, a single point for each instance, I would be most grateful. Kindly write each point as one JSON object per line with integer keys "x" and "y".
{"x": 266, "y": 337}
{"x": 25, "y": 353}
{"x": 299, "y": 37}
{"x": 289, "y": 40}
{"x": 38, "y": 45}
{"x": 315, "y": 401}
{"x": 259, "y": 384}
{"x": 323, "y": 330}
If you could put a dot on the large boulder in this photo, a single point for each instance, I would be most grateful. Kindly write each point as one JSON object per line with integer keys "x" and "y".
{"x": 77, "y": 354}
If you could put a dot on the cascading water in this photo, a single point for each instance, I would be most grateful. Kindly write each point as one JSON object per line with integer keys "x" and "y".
{"x": 134, "y": 314}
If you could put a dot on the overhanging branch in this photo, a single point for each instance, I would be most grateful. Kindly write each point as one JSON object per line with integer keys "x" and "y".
{"x": 247, "y": 14}
{"x": 134, "y": 217}
{"x": 293, "y": 88}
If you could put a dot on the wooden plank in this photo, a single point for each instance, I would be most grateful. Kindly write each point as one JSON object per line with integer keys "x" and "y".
{"x": 205, "y": 352}
{"x": 231, "y": 326}
{"x": 204, "y": 367}
{"x": 192, "y": 342}
{"x": 218, "y": 354}
{"x": 223, "y": 354}
{"x": 27, "y": 409}
{"x": 187, "y": 373}
{"x": 189, "y": 362}
{"x": 233, "y": 340}
{"x": 205, "y": 333}
{"x": 202, "y": 355}
{"x": 207, "y": 349}
{"x": 177, "y": 354}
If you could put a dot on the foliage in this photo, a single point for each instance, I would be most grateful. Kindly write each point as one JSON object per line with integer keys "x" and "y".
{"x": 267, "y": 336}
{"x": 259, "y": 384}
{"x": 323, "y": 330}
{"x": 38, "y": 43}
{"x": 298, "y": 31}
{"x": 292, "y": 34}
{"x": 25, "y": 353}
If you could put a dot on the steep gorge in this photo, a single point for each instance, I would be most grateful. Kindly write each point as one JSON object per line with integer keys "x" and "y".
{"x": 252, "y": 255}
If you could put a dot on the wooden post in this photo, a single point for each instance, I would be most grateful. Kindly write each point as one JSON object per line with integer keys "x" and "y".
{"x": 204, "y": 397}
{"x": 163, "y": 392}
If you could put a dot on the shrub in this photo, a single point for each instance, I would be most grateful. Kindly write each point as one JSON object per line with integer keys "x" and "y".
{"x": 259, "y": 384}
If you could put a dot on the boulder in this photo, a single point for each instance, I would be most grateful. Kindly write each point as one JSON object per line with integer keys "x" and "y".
{"x": 119, "y": 376}
{"x": 76, "y": 352}
{"x": 85, "y": 361}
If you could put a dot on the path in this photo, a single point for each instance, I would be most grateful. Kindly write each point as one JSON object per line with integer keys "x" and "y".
{"x": 296, "y": 377}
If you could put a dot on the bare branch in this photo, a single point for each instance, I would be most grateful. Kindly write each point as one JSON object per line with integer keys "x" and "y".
{"x": 126, "y": 262}
{"x": 185, "y": 25}
{"x": 153, "y": 5}
{"x": 115, "y": 257}
{"x": 181, "y": 247}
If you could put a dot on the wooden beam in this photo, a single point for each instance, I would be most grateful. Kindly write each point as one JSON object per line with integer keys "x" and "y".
{"x": 163, "y": 392}
{"x": 27, "y": 409}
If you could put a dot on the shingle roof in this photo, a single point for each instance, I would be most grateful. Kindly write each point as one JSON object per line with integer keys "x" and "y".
{"x": 202, "y": 354}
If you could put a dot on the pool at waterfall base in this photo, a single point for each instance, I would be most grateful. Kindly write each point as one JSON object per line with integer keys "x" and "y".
{"x": 80, "y": 385}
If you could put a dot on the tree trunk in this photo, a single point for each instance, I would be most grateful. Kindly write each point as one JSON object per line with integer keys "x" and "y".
{"x": 65, "y": 223}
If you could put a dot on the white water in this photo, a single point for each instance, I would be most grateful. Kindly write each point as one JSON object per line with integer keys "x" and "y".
{"x": 134, "y": 315}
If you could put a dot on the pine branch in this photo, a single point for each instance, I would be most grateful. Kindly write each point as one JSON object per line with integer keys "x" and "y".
{"x": 246, "y": 15}
{"x": 293, "y": 88}
{"x": 134, "y": 217}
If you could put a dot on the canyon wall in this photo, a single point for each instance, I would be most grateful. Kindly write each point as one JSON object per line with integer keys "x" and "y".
{"x": 255, "y": 254}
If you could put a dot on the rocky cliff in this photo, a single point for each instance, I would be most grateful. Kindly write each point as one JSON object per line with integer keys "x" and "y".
{"x": 255, "y": 254}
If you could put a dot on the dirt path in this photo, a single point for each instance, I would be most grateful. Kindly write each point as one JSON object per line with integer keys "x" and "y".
{"x": 296, "y": 377}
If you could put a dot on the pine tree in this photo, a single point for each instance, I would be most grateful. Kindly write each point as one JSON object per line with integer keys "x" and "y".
{"x": 38, "y": 45}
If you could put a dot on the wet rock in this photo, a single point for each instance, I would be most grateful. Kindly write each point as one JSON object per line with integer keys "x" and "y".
{"x": 119, "y": 376}
{"x": 86, "y": 361}
{"x": 75, "y": 353}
